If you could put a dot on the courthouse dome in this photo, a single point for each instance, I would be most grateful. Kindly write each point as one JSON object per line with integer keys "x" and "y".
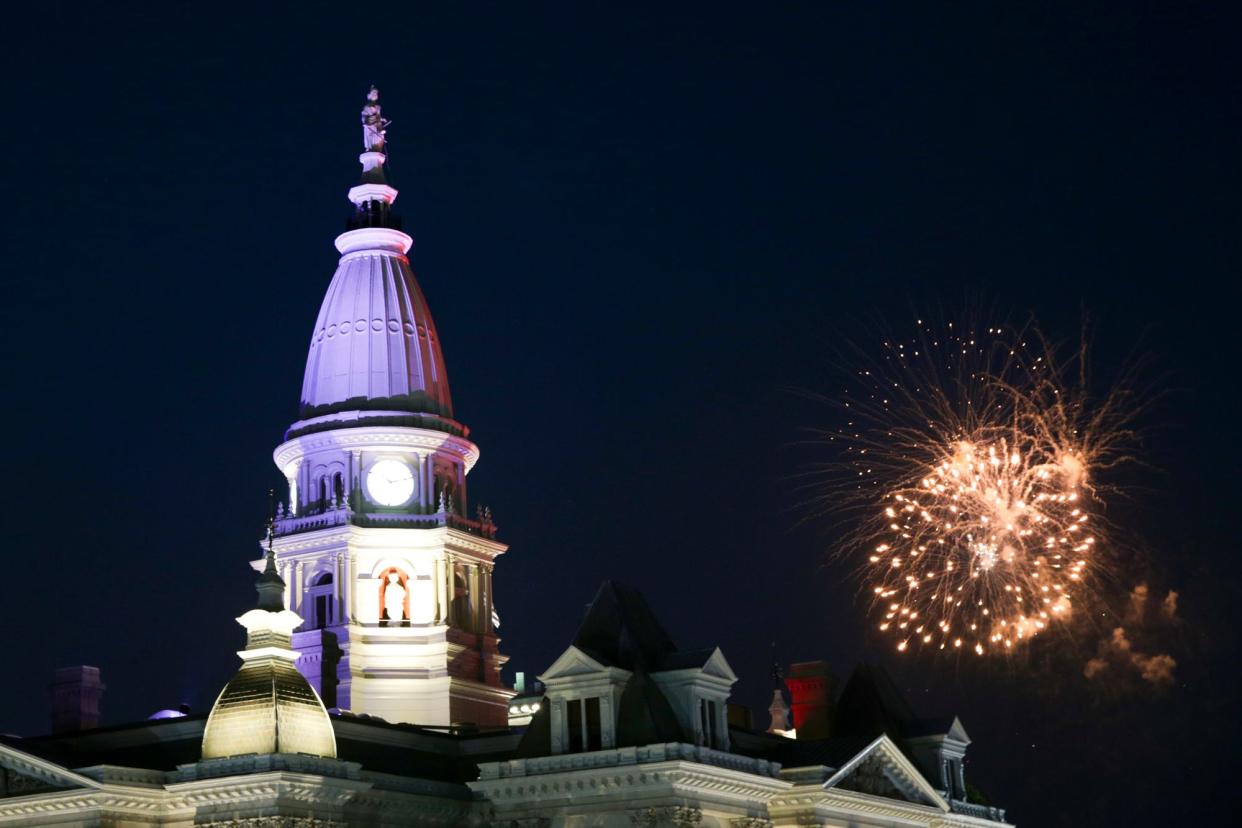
{"x": 374, "y": 339}
{"x": 374, "y": 345}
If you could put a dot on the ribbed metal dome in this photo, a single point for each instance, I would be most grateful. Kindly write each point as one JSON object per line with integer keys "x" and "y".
{"x": 268, "y": 707}
{"x": 374, "y": 344}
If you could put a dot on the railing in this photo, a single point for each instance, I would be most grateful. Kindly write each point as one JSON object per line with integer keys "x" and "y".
{"x": 344, "y": 515}
{"x": 971, "y": 809}
{"x": 293, "y": 524}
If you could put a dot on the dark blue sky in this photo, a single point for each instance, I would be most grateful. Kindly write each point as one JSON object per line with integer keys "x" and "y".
{"x": 643, "y": 236}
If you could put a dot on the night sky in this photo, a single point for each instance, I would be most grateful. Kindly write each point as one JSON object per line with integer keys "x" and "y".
{"x": 644, "y": 236}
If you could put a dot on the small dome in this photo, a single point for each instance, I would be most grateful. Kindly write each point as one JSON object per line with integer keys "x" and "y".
{"x": 374, "y": 343}
{"x": 268, "y": 707}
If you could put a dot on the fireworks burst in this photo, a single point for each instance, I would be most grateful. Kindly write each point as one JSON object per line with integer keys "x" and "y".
{"x": 972, "y": 463}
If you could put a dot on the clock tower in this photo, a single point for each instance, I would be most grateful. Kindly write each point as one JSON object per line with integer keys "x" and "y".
{"x": 378, "y": 549}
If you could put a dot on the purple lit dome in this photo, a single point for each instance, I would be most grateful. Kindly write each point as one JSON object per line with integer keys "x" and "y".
{"x": 374, "y": 344}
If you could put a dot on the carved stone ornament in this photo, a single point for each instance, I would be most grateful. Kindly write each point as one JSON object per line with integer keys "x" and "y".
{"x": 678, "y": 815}
{"x": 13, "y": 783}
{"x": 274, "y": 822}
{"x": 750, "y": 822}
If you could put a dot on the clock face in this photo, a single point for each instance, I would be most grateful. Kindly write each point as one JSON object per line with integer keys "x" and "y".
{"x": 390, "y": 482}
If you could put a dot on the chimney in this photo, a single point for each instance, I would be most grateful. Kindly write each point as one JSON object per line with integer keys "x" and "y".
{"x": 75, "y": 698}
{"x": 810, "y": 689}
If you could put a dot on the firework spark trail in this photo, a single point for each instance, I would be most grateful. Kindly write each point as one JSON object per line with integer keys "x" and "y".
{"x": 971, "y": 462}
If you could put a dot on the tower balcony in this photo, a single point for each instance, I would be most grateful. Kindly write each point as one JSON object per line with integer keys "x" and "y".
{"x": 342, "y": 515}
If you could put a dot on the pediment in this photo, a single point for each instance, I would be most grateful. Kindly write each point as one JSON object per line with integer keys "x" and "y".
{"x": 22, "y": 774}
{"x": 958, "y": 733}
{"x": 717, "y": 666}
{"x": 572, "y": 662}
{"x": 881, "y": 769}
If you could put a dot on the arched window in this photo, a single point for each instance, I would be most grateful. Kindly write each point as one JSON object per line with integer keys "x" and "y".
{"x": 323, "y": 493}
{"x": 321, "y": 600}
{"x": 338, "y": 487}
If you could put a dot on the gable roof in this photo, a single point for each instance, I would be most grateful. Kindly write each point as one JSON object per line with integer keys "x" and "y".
{"x": 573, "y": 662}
{"x": 948, "y": 726}
{"x": 870, "y": 705}
{"x": 154, "y": 744}
{"x": 644, "y": 715}
{"x": 36, "y": 775}
{"x": 621, "y": 634}
{"x": 709, "y": 659}
{"x": 900, "y": 773}
{"x": 620, "y": 630}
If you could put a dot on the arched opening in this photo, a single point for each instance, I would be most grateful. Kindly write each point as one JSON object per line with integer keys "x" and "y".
{"x": 321, "y": 598}
{"x": 394, "y": 597}
{"x": 338, "y": 488}
{"x": 323, "y": 493}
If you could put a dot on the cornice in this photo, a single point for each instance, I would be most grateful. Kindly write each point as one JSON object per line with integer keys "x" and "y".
{"x": 687, "y": 778}
{"x": 836, "y": 802}
{"x": 361, "y": 437}
{"x": 446, "y": 538}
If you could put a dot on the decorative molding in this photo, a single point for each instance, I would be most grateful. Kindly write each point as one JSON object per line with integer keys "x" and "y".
{"x": 275, "y": 822}
{"x": 680, "y": 815}
{"x": 362, "y": 437}
{"x": 897, "y": 768}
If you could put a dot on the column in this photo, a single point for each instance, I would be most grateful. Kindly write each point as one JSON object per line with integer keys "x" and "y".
{"x": 607, "y": 722}
{"x": 351, "y": 576}
{"x": 486, "y": 579}
{"x": 299, "y": 588}
{"x": 437, "y": 572}
{"x": 429, "y": 482}
{"x": 450, "y": 587}
{"x": 339, "y": 578}
{"x": 286, "y": 575}
{"x": 476, "y": 595}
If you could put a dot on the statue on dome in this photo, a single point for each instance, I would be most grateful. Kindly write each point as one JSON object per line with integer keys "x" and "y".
{"x": 374, "y": 124}
{"x": 394, "y": 598}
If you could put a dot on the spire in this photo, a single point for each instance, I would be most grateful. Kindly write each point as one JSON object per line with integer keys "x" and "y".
{"x": 778, "y": 710}
{"x": 270, "y": 586}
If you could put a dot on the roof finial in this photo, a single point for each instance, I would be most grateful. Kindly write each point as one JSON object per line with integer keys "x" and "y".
{"x": 270, "y": 586}
{"x": 374, "y": 124}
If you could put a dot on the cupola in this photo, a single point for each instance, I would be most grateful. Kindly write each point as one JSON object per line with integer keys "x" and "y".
{"x": 268, "y": 707}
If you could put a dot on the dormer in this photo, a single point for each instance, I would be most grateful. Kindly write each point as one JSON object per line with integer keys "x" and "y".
{"x": 582, "y": 696}
{"x": 939, "y": 747}
{"x": 697, "y": 685}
